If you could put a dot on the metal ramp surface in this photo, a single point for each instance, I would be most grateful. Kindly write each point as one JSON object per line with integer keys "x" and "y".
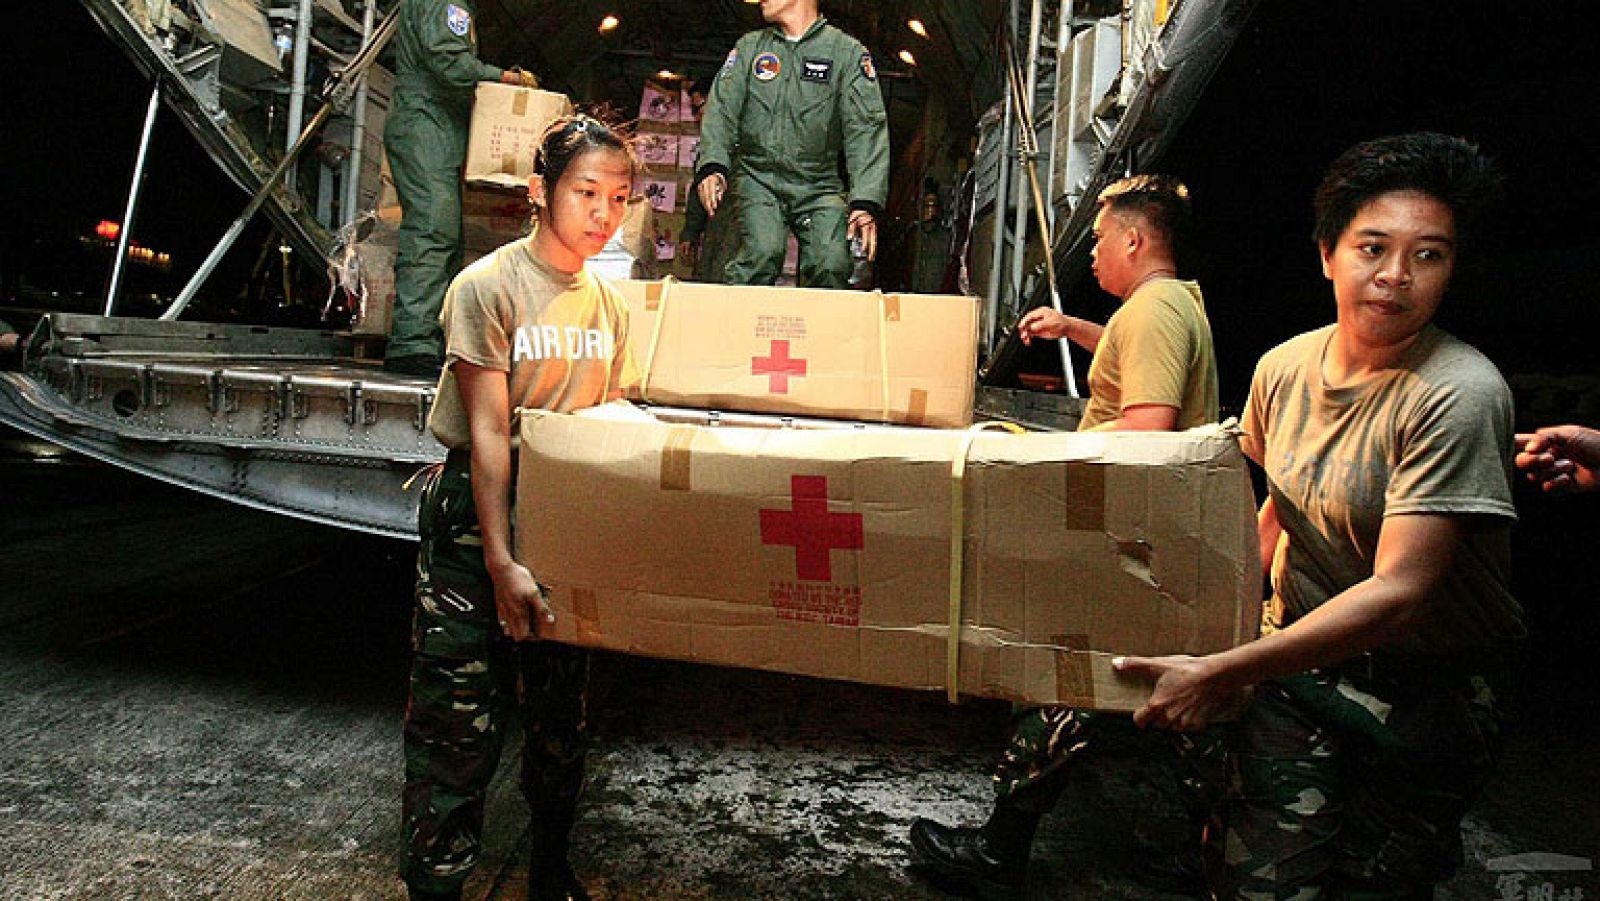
{"x": 285, "y": 420}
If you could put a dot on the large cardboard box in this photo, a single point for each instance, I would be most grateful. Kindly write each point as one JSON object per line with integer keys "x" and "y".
{"x": 829, "y": 552}
{"x": 507, "y": 123}
{"x": 905, "y": 358}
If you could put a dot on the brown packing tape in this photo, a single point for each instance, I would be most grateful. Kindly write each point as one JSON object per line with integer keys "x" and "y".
{"x": 891, "y": 308}
{"x": 586, "y": 610}
{"x": 652, "y": 297}
{"x": 917, "y": 408}
{"x": 508, "y": 163}
{"x": 1085, "y": 509}
{"x": 675, "y": 458}
{"x": 519, "y": 103}
{"x": 884, "y": 301}
{"x": 1074, "y": 670}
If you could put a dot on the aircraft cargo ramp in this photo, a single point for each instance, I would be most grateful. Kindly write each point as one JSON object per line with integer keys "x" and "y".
{"x": 285, "y": 420}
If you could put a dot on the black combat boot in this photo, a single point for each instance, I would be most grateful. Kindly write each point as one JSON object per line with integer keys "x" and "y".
{"x": 993, "y": 858}
{"x": 1178, "y": 871}
{"x": 550, "y": 876}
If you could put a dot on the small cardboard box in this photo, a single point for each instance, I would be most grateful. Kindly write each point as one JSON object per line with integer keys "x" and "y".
{"x": 829, "y": 552}
{"x": 905, "y": 358}
{"x": 658, "y": 150}
{"x": 491, "y": 217}
{"x": 507, "y": 123}
{"x": 638, "y": 229}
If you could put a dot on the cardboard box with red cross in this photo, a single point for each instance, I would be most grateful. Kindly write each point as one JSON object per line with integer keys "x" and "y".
{"x": 984, "y": 563}
{"x": 902, "y": 358}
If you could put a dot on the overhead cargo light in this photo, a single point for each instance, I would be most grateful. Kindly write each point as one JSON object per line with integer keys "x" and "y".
{"x": 609, "y": 24}
{"x": 667, "y": 75}
{"x": 907, "y": 58}
{"x": 917, "y": 28}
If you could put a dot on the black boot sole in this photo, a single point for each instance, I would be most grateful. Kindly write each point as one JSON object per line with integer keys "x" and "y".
{"x": 958, "y": 880}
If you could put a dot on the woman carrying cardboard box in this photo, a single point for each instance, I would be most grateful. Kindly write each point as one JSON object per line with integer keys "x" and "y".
{"x": 526, "y": 326}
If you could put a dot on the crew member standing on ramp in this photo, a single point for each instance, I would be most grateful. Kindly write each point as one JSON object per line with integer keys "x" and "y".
{"x": 436, "y": 71}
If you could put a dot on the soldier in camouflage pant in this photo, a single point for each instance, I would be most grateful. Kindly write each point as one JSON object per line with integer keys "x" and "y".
{"x": 1176, "y": 779}
{"x": 1350, "y": 782}
{"x": 465, "y": 671}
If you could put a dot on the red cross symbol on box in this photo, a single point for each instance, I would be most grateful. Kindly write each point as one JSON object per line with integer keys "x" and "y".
{"x": 810, "y": 529}
{"x": 778, "y": 367}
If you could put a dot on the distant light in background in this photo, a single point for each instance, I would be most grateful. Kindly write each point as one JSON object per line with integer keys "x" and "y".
{"x": 108, "y": 229}
{"x": 917, "y": 28}
{"x": 667, "y": 75}
{"x": 907, "y": 58}
{"x": 609, "y": 24}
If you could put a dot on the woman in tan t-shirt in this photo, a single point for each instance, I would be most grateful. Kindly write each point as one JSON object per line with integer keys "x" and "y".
{"x": 1386, "y": 446}
{"x": 475, "y": 632}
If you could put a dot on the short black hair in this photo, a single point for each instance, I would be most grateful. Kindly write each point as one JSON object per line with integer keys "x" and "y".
{"x": 570, "y": 136}
{"x": 1448, "y": 169}
{"x": 1163, "y": 202}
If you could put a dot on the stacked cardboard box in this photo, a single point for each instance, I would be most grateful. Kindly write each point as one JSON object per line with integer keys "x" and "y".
{"x": 838, "y": 553}
{"x": 906, "y": 358}
{"x": 669, "y": 141}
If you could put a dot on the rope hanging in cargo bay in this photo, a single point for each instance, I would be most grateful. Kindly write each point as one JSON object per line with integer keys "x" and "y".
{"x": 1027, "y": 154}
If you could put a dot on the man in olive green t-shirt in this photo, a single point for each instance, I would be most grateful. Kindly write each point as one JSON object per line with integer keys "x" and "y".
{"x": 1154, "y": 369}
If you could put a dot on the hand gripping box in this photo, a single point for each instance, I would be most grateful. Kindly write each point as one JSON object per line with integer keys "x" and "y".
{"x": 903, "y": 358}
{"x": 985, "y": 563}
{"x": 507, "y": 123}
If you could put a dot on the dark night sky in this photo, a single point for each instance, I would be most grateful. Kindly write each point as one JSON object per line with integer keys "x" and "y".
{"x": 70, "y": 117}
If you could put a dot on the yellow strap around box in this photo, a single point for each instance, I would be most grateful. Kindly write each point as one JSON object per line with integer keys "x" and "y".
{"x": 883, "y": 348}
{"x": 958, "y": 471}
{"x": 655, "y": 337}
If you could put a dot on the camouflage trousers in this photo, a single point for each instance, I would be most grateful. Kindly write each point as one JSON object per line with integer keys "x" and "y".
{"x": 465, "y": 678}
{"x": 1171, "y": 780}
{"x": 1351, "y": 782}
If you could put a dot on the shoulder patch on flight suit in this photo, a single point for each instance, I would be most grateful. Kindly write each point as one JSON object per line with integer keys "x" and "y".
{"x": 731, "y": 61}
{"x": 866, "y": 67}
{"x": 458, "y": 20}
{"x": 816, "y": 69}
{"x": 766, "y": 67}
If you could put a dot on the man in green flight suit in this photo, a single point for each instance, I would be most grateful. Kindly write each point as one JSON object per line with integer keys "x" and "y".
{"x": 436, "y": 71}
{"x": 789, "y": 98}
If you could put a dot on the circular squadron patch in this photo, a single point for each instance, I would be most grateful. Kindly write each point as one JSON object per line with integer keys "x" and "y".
{"x": 766, "y": 67}
{"x": 458, "y": 20}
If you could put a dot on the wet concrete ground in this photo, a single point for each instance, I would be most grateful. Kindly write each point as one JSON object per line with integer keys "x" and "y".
{"x": 203, "y": 701}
